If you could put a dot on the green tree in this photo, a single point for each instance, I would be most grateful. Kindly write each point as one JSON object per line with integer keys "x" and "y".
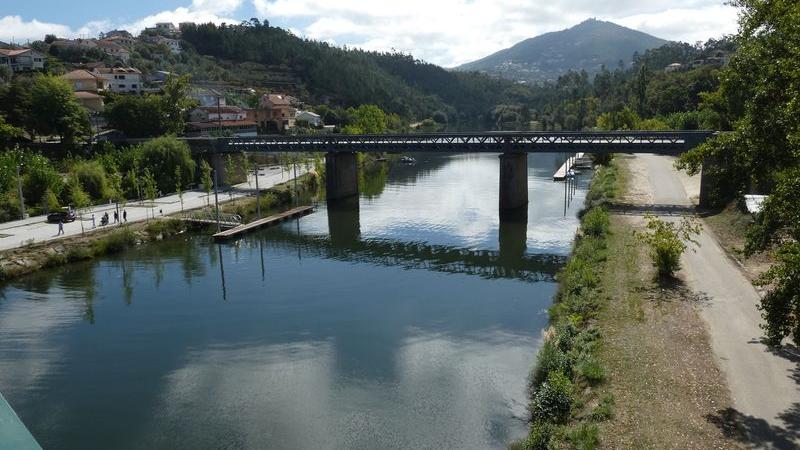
{"x": 179, "y": 185}
{"x": 54, "y": 109}
{"x": 92, "y": 177}
{"x": 135, "y": 116}
{"x": 150, "y": 189}
{"x": 161, "y": 156}
{"x": 78, "y": 197}
{"x": 206, "y": 179}
{"x": 8, "y": 133}
{"x": 367, "y": 119}
{"x": 667, "y": 241}
{"x": 174, "y": 101}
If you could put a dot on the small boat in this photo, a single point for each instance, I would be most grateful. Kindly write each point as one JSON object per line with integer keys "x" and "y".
{"x": 408, "y": 160}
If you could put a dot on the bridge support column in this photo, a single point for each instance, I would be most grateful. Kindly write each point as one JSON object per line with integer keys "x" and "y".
{"x": 218, "y": 163}
{"x": 341, "y": 175}
{"x": 513, "y": 181}
{"x": 708, "y": 178}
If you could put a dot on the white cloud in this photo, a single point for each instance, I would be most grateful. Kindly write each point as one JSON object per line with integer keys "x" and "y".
{"x": 451, "y": 32}
{"x": 217, "y": 11}
{"x": 446, "y": 32}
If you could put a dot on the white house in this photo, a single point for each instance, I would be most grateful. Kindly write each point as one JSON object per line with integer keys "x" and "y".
{"x": 113, "y": 49}
{"x": 21, "y": 59}
{"x": 122, "y": 80}
{"x": 309, "y": 117}
{"x": 216, "y": 114}
{"x": 174, "y": 45}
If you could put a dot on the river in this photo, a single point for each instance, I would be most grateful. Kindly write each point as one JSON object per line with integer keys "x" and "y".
{"x": 407, "y": 319}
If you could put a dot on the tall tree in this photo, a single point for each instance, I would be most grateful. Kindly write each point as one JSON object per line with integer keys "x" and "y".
{"x": 54, "y": 109}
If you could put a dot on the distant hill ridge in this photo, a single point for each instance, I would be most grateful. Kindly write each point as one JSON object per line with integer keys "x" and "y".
{"x": 586, "y": 46}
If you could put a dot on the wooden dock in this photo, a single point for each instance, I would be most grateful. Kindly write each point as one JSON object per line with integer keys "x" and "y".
{"x": 265, "y": 222}
{"x": 562, "y": 171}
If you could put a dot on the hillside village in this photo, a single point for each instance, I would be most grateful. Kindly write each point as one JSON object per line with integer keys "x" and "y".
{"x": 97, "y": 68}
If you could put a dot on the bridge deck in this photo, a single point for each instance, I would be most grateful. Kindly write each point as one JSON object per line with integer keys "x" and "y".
{"x": 265, "y": 222}
{"x": 660, "y": 142}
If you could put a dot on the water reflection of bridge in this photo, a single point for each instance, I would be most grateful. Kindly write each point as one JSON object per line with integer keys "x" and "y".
{"x": 344, "y": 243}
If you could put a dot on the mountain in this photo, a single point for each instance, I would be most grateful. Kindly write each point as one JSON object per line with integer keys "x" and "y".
{"x": 586, "y": 46}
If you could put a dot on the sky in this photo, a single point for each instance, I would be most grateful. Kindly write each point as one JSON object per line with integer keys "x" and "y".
{"x": 444, "y": 32}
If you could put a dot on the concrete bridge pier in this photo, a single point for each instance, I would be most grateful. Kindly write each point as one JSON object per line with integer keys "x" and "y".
{"x": 513, "y": 181}
{"x": 218, "y": 163}
{"x": 341, "y": 175}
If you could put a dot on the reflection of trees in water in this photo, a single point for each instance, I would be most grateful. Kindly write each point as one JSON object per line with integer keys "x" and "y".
{"x": 372, "y": 179}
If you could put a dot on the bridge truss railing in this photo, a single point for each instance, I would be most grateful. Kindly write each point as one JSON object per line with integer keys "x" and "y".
{"x": 665, "y": 142}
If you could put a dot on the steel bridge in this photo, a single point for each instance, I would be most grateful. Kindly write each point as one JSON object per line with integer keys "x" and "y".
{"x": 341, "y": 165}
{"x": 658, "y": 142}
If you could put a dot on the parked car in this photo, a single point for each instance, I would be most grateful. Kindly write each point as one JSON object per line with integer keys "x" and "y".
{"x": 65, "y": 215}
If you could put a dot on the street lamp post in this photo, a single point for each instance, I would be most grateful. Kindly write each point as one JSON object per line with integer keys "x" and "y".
{"x": 21, "y": 198}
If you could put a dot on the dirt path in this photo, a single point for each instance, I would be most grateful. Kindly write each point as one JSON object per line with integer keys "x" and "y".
{"x": 764, "y": 384}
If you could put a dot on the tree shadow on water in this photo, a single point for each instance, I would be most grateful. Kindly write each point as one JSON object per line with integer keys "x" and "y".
{"x": 758, "y": 432}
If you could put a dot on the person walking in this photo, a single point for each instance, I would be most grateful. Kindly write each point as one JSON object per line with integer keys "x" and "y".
{"x": 116, "y": 217}
{"x": 125, "y": 215}
{"x": 93, "y": 223}
{"x": 60, "y": 227}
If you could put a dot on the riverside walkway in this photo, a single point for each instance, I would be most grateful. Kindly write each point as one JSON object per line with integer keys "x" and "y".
{"x": 36, "y": 229}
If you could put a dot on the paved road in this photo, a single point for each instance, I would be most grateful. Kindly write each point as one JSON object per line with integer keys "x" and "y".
{"x": 36, "y": 229}
{"x": 765, "y": 385}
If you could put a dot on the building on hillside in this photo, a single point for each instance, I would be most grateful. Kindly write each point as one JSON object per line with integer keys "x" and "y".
{"x": 274, "y": 115}
{"x": 115, "y": 50}
{"x": 674, "y": 67}
{"x": 122, "y": 80}
{"x": 115, "y": 33}
{"x": 231, "y": 128}
{"x": 22, "y": 59}
{"x": 82, "y": 44}
{"x": 207, "y": 96}
{"x": 174, "y": 45}
{"x": 83, "y": 80}
{"x": 164, "y": 29}
{"x": 158, "y": 77}
{"x": 309, "y": 117}
{"x": 217, "y": 113}
{"x": 123, "y": 41}
{"x": 91, "y": 101}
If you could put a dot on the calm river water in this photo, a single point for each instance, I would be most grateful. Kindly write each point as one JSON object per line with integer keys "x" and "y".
{"x": 406, "y": 320}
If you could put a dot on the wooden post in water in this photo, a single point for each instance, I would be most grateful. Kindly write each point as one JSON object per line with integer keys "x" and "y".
{"x": 258, "y": 196}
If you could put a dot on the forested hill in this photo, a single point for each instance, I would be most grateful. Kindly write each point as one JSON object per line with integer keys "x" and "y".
{"x": 587, "y": 46}
{"x": 346, "y": 77}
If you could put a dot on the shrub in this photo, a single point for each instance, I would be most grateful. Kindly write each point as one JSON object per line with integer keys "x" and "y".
{"x": 590, "y": 370}
{"x": 539, "y": 436}
{"x": 92, "y": 177}
{"x": 667, "y": 242}
{"x": 165, "y": 227}
{"x": 162, "y": 155}
{"x": 553, "y": 400}
{"x": 604, "y": 410}
{"x": 79, "y": 254}
{"x": 115, "y": 242}
{"x": 585, "y": 436}
{"x": 550, "y": 359}
{"x": 596, "y": 222}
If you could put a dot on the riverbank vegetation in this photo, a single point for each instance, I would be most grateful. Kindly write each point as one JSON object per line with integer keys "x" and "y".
{"x": 564, "y": 404}
{"x": 605, "y": 376}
